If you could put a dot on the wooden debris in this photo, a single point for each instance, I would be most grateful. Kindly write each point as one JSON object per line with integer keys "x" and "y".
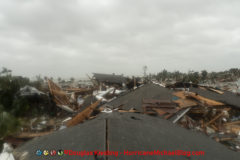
{"x": 28, "y": 135}
{"x": 231, "y": 123}
{"x": 204, "y": 100}
{"x": 215, "y": 90}
{"x": 216, "y": 117}
{"x": 188, "y": 96}
{"x": 85, "y": 114}
{"x": 185, "y": 103}
{"x": 21, "y": 138}
{"x": 187, "y": 122}
{"x": 159, "y": 111}
{"x": 214, "y": 127}
{"x": 168, "y": 116}
{"x": 180, "y": 94}
{"x": 203, "y": 88}
{"x": 167, "y": 110}
{"x": 124, "y": 111}
{"x": 233, "y": 128}
{"x": 59, "y": 96}
{"x": 92, "y": 117}
{"x": 224, "y": 139}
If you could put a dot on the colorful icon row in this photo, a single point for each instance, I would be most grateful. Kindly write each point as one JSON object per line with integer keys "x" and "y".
{"x": 52, "y": 152}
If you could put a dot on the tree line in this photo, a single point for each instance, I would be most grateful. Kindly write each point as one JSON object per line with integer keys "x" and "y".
{"x": 204, "y": 76}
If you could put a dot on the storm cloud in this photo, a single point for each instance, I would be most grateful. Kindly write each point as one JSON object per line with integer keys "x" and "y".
{"x": 65, "y": 38}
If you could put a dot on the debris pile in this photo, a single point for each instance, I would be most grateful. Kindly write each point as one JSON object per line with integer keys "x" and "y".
{"x": 217, "y": 119}
{"x": 61, "y": 108}
{"x": 60, "y": 97}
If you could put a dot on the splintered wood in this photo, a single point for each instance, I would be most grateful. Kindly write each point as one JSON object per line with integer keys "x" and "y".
{"x": 32, "y": 134}
{"x": 59, "y": 96}
{"x": 232, "y": 123}
{"x": 204, "y": 100}
{"x": 190, "y": 99}
{"x": 161, "y": 107}
{"x": 218, "y": 116}
{"x": 184, "y": 102}
{"x": 85, "y": 114}
{"x": 233, "y": 129}
{"x": 217, "y": 91}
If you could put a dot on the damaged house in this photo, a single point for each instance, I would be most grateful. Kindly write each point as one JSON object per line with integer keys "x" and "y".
{"x": 147, "y": 118}
{"x": 109, "y": 79}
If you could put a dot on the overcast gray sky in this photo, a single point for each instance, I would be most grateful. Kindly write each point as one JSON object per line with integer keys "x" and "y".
{"x": 74, "y": 37}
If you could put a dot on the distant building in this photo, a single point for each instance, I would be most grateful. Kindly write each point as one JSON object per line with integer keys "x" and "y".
{"x": 109, "y": 79}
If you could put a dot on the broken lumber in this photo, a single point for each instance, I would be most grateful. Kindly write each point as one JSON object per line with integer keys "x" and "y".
{"x": 194, "y": 96}
{"x": 80, "y": 117}
{"x": 59, "y": 96}
{"x": 131, "y": 110}
{"x": 159, "y": 111}
{"x": 218, "y": 116}
{"x": 185, "y": 103}
{"x": 180, "y": 94}
{"x": 234, "y": 129}
{"x": 231, "y": 123}
{"x": 204, "y": 100}
{"x": 29, "y": 135}
{"x": 215, "y": 90}
{"x": 168, "y": 116}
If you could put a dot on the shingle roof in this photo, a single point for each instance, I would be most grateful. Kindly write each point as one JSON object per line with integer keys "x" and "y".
{"x": 127, "y": 131}
{"x": 110, "y": 78}
{"x": 227, "y": 98}
{"x": 133, "y": 99}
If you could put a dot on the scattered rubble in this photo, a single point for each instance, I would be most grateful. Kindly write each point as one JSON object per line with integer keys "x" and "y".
{"x": 209, "y": 110}
{"x": 215, "y": 118}
{"x": 188, "y": 109}
{"x": 72, "y": 106}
